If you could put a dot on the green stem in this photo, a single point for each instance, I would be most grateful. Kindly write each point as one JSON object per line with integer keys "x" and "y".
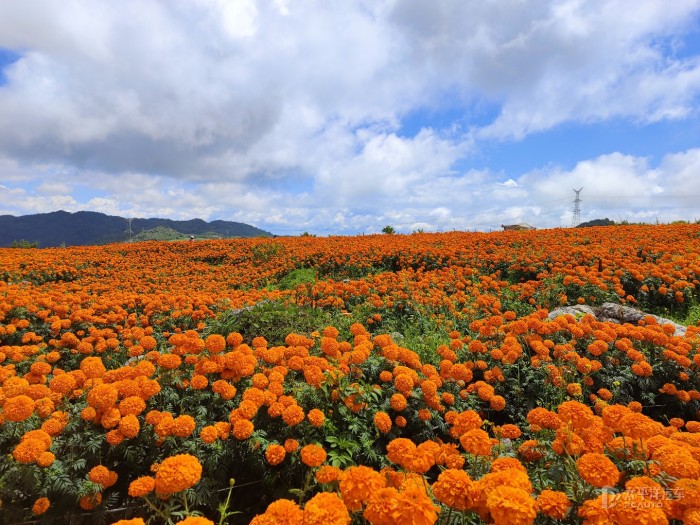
{"x": 223, "y": 511}
{"x": 154, "y": 508}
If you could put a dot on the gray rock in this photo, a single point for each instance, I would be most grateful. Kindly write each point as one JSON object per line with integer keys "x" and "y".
{"x": 615, "y": 313}
{"x": 578, "y": 311}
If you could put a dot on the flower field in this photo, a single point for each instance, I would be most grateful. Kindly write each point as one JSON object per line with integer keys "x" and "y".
{"x": 383, "y": 379}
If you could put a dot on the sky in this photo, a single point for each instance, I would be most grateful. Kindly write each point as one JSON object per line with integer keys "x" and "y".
{"x": 341, "y": 118}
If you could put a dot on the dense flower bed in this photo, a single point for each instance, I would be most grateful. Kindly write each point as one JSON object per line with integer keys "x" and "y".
{"x": 394, "y": 379}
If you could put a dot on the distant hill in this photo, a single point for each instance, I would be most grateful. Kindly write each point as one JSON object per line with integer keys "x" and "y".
{"x": 88, "y": 227}
{"x": 597, "y": 222}
{"x": 163, "y": 233}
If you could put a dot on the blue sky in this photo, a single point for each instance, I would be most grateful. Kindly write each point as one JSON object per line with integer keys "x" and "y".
{"x": 342, "y": 119}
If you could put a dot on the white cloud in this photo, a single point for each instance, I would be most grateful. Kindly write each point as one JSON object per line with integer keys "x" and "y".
{"x": 289, "y": 113}
{"x": 54, "y": 187}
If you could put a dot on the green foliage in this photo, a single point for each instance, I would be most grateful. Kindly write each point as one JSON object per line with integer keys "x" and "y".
{"x": 159, "y": 233}
{"x": 692, "y": 318}
{"x": 263, "y": 253}
{"x": 24, "y": 244}
{"x": 596, "y": 222}
{"x": 296, "y": 278}
{"x": 274, "y": 320}
{"x": 388, "y": 230}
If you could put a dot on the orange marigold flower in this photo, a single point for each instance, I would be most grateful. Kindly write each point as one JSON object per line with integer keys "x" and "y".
{"x": 28, "y": 450}
{"x": 493, "y": 480}
{"x": 313, "y": 455}
{"x": 605, "y": 394}
{"x": 45, "y": 459}
{"x": 291, "y": 445}
{"x": 424, "y": 414}
{"x": 215, "y": 343}
{"x": 209, "y": 434}
{"x": 129, "y": 426}
{"x": 183, "y": 426}
{"x": 569, "y": 442}
{"x": 43, "y": 437}
{"x": 224, "y": 389}
{"x": 315, "y": 416}
{"x": 507, "y": 463}
{"x": 18, "y": 408}
{"x": 243, "y": 429}
{"x": 676, "y": 461}
{"x": 132, "y": 405}
{"x": 142, "y": 486}
{"x": 403, "y": 383}
{"x": 638, "y": 507}
{"x": 148, "y": 343}
{"x": 553, "y": 504}
{"x": 91, "y": 501}
{"x": 597, "y": 470}
{"x": 574, "y": 389}
{"x": 400, "y": 451}
{"x": 357, "y": 485}
{"x": 676, "y": 422}
{"x": 638, "y": 426}
{"x": 692, "y": 426}
{"x": 169, "y": 361}
{"x": 398, "y": 402}
{"x": 274, "y": 454}
{"x": 199, "y": 382}
{"x": 613, "y": 414}
{"x": 453, "y": 488}
{"x": 382, "y": 421}
{"x": 115, "y": 437}
{"x": 44, "y": 407}
{"x": 464, "y": 422}
{"x": 63, "y": 384}
{"x": 254, "y": 395}
{"x": 385, "y": 376}
{"x": 381, "y": 506}
{"x": 280, "y": 512}
{"x": 578, "y": 415}
{"x": 293, "y": 415}
{"x": 92, "y": 367}
{"x": 325, "y": 508}
{"x": 544, "y": 418}
{"x": 497, "y": 403}
{"x": 40, "y": 506}
{"x": 177, "y": 473}
{"x": 511, "y": 506}
{"x": 420, "y": 462}
{"x": 327, "y": 474}
{"x": 596, "y": 511}
{"x": 508, "y": 431}
{"x": 110, "y": 418}
{"x": 103, "y": 396}
{"x": 102, "y": 476}
{"x": 414, "y": 506}
{"x": 476, "y": 442}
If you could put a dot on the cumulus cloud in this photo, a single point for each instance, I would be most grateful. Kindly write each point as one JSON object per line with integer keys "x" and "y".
{"x": 291, "y": 114}
{"x": 622, "y": 186}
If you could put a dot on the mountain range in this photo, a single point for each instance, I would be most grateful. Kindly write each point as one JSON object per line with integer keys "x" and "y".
{"x": 88, "y": 227}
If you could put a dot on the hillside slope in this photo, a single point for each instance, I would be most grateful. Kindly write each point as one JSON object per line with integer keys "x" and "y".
{"x": 87, "y": 227}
